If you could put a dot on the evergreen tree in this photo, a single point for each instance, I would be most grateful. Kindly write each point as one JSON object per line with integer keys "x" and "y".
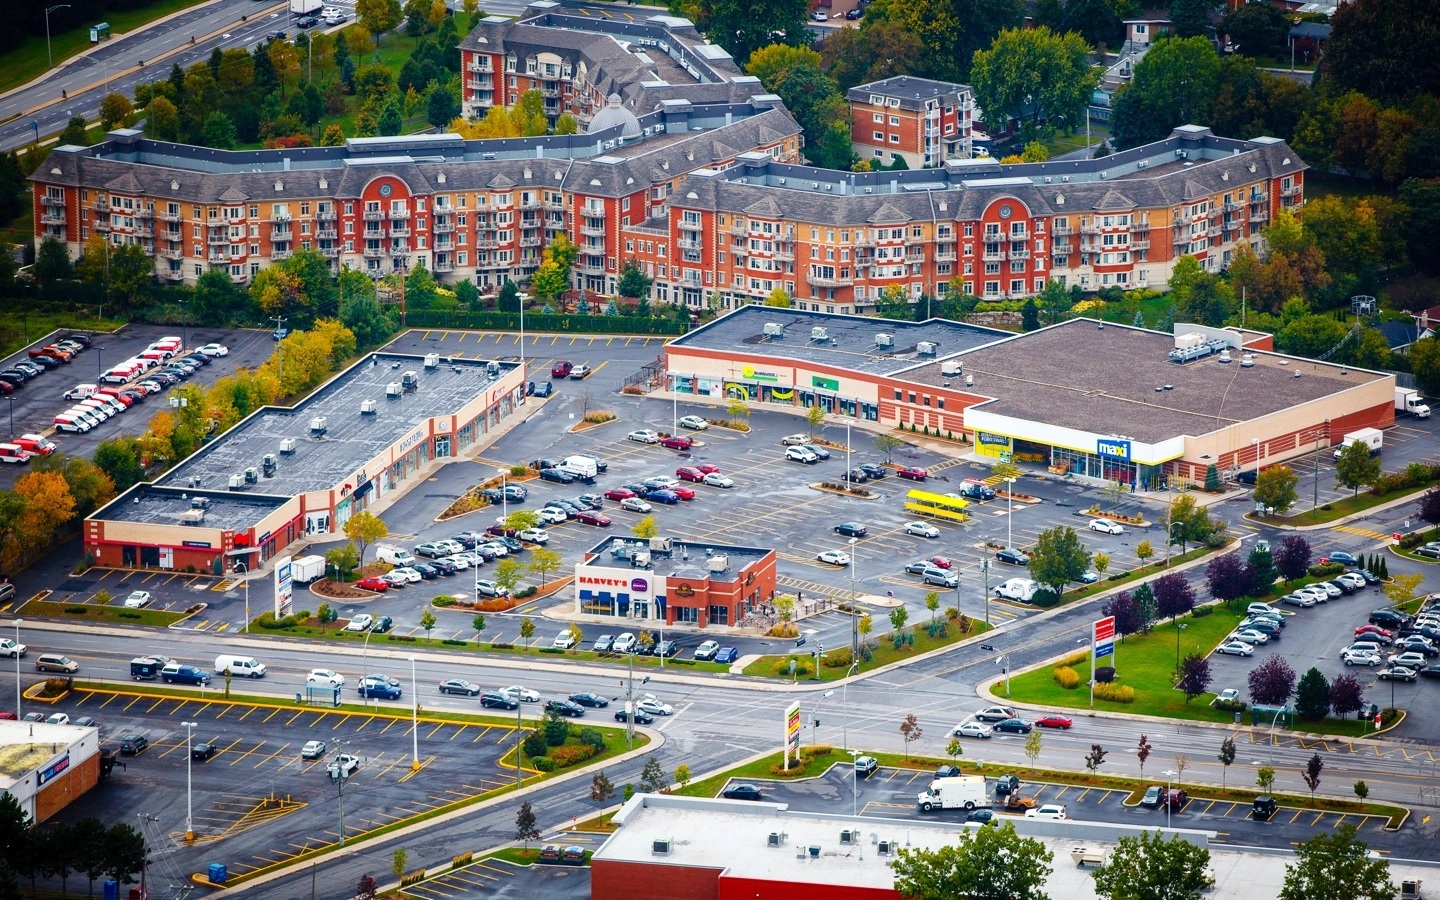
{"x": 1029, "y": 315}
{"x": 611, "y": 309}
{"x": 74, "y": 133}
{"x": 509, "y": 299}
{"x": 1312, "y": 696}
{"x": 52, "y": 262}
{"x": 390, "y": 122}
{"x": 219, "y": 132}
{"x": 442, "y": 107}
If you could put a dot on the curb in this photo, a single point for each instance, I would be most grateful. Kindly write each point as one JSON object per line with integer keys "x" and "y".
{"x": 1346, "y": 519}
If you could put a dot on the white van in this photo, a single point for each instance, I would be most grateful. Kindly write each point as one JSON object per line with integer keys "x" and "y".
{"x": 109, "y": 402}
{"x": 240, "y": 666}
{"x": 14, "y": 453}
{"x": 395, "y": 556}
{"x": 87, "y": 416}
{"x": 72, "y": 424}
{"x": 1021, "y": 589}
{"x": 97, "y": 409}
{"x": 80, "y": 392}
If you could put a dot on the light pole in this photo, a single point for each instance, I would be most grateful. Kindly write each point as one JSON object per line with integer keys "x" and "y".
{"x": 1179, "y": 627}
{"x": 848, "y": 422}
{"x": 854, "y": 782}
{"x": 12, "y": 415}
{"x": 1169, "y": 782}
{"x": 630, "y": 701}
{"x": 854, "y": 610}
{"x": 985, "y": 577}
{"x": 365, "y": 666}
{"x": 17, "y": 670}
{"x": 415, "y": 723}
{"x": 1003, "y": 661}
{"x": 845, "y": 702}
{"x": 189, "y": 809}
{"x": 1009, "y": 506}
{"x": 49, "y": 57}
{"x": 815, "y": 716}
{"x": 1255, "y": 443}
{"x": 674, "y": 407}
{"x": 245, "y": 579}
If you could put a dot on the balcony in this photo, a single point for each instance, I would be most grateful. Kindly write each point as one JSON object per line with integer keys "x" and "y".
{"x": 592, "y": 230}
{"x": 693, "y": 244}
{"x": 1089, "y": 228}
{"x": 48, "y": 200}
{"x": 278, "y": 253}
{"x": 1018, "y": 236}
{"x": 786, "y": 255}
{"x": 486, "y": 243}
{"x": 172, "y": 274}
{"x": 1020, "y": 254}
{"x": 330, "y": 252}
{"x": 145, "y": 214}
{"x": 532, "y": 241}
{"x": 444, "y": 265}
{"x": 1139, "y": 244}
{"x": 102, "y": 206}
{"x": 144, "y": 231}
{"x": 52, "y": 218}
{"x": 480, "y": 84}
{"x": 173, "y": 253}
{"x": 550, "y": 92}
{"x": 399, "y": 213}
{"x": 480, "y": 68}
{"x": 241, "y": 278}
{"x": 103, "y": 225}
{"x": 282, "y": 216}
{"x": 1062, "y": 231}
{"x": 864, "y": 262}
{"x": 325, "y": 215}
{"x": 401, "y": 230}
{"x": 1291, "y": 191}
{"x": 443, "y": 227}
{"x": 694, "y": 225}
{"x": 555, "y": 205}
{"x": 1142, "y": 227}
{"x": 326, "y": 234}
{"x": 217, "y": 259}
{"x": 167, "y": 216}
{"x": 945, "y": 256}
{"x": 281, "y": 234}
{"x": 995, "y": 256}
{"x": 590, "y": 265}
{"x": 374, "y": 215}
{"x": 400, "y": 247}
{"x": 829, "y": 280}
{"x": 374, "y": 252}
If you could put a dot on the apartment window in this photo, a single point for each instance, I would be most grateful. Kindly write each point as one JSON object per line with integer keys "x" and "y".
{"x": 894, "y": 138}
{"x": 1017, "y": 285}
{"x": 894, "y": 120}
{"x": 879, "y": 119}
{"x": 969, "y": 232}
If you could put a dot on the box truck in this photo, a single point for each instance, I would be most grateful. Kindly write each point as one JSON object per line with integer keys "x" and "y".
{"x": 306, "y": 569}
{"x": 960, "y": 792}
{"x": 306, "y": 7}
{"x": 1373, "y": 438}
{"x": 1409, "y": 401}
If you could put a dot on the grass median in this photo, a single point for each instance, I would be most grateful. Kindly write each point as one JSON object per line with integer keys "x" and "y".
{"x": 883, "y": 652}
{"x": 1158, "y": 567}
{"x": 1147, "y": 663}
{"x": 94, "y": 612}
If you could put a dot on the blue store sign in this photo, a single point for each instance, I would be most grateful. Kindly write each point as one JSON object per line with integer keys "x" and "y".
{"x": 1113, "y": 449}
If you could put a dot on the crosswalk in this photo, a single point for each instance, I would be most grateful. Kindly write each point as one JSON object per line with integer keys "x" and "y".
{"x": 1363, "y": 532}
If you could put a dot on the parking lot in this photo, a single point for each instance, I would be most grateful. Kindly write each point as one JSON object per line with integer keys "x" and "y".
{"x": 496, "y": 878}
{"x": 890, "y": 793}
{"x": 35, "y": 405}
{"x": 257, "y": 800}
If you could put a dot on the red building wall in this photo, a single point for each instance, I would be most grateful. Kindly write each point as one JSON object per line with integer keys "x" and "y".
{"x": 616, "y": 880}
{"x": 735, "y": 888}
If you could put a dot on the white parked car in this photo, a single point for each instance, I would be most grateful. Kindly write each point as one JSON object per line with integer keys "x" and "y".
{"x": 213, "y": 350}
{"x": 137, "y": 600}
{"x": 1329, "y": 589}
{"x": 564, "y": 640}
{"x": 833, "y": 557}
{"x": 460, "y": 561}
{"x": 655, "y": 707}
{"x": 411, "y": 576}
{"x": 525, "y": 694}
{"x": 1250, "y": 636}
{"x": 325, "y": 677}
{"x": 1048, "y": 811}
{"x": 552, "y": 516}
{"x": 795, "y": 440}
{"x": 973, "y": 730}
{"x": 1236, "y": 648}
{"x": 643, "y": 436}
{"x": 694, "y": 423}
{"x": 360, "y": 622}
{"x": 1106, "y": 526}
{"x": 635, "y": 504}
{"x": 534, "y": 535}
{"x": 800, "y": 454}
{"x": 1353, "y": 657}
{"x": 625, "y": 643}
{"x": 923, "y": 529}
{"x": 715, "y": 479}
{"x": 707, "y": 650}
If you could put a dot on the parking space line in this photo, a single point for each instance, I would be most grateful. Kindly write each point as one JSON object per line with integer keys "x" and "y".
{"x": 272, "y": 715}
{"x": 272, "y": 755}
{"x": 437, "y": 728}
{"x": 340, "y": 720}
{"x": 1083, "y": 794}
{"x": 155, "y": 704}
{"x": 1062, "y": 791}
{"x": 294, "y": 717}
{"x": 249, "y": 712}
{"x": 1208, "y": 807}
{"x": 393, "y": 723}
{"x": 1297, "y": 815}
{"x": 483, "y": 732}
{"x": 247, "y": 752}
{"x": 221, "y": 713}
{"x": 362, "y": 725}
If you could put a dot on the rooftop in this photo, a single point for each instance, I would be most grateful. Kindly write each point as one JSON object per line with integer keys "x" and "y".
{"x": 26, "y": 745}
{"x": 687, "y": 559}
{"x": 906, "y": 88}
{"x": 734, "y": 836}
{"x": 1083, "y": 372}
{"x": 351, "y": 439}
{"x": 152, "y": 505}
{"x": 851, "y": 342}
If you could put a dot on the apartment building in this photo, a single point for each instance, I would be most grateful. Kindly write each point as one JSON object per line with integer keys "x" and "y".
{"x": 921, "y": 121}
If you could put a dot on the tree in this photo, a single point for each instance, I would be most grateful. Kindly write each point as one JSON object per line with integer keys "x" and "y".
{"x": 652, "y": 778}
{"x": 1095, "y": 758}
{"x": 1312, "y": 696}
{"x": 1149, "y": 867}
{"x": 378, "y": 16}
{"x": 1356, "y": 467}
{"x": 1362, "y": 790}
{"x": 1264, "y": 778}
{"x": 52, "y": 262}
{"x": 397, "y": 862}
{"x": 1313, "y": 767}
{"x": 1229, "y": 578}
{"x": 367, "y": 888}
{"x": 1173, "y": 595}
{"x": 932, "y": 603}
{"x": 814, "y": 418}
{"x": 1143, "y": 551}
{"x": 507, "y": 574}
{"x": 1055, "y": 79}
{"x": 1347, "y": 695}
{"x": 1292, "y": 557}
{"x": 119, "y": 458}
{"x": 898, "y": 617}
{"x": 1191, "y": 18}
{"x": 325, "y": 614}
{"x": 364, "y": 528}
{"x": 1272, "y": 682}
{"x": 1399, "y": 590}
{"x": 1058, "y": 558}
{"x": 427, "y": 621}
{"x": 633, "y": 282}
{"x": 1262, "y": 566}
{"x": 910, "y": 732}
{"x": 508, "y": 299}
{"x": 218, "y": 132}
{"x": 74, "y": 133}
{"x": 601, "y": 789}
{"x": 115, "y": 110}
{"x": 873, "y": 52}
{"x": 391, "y": 120}
{"x": 48, "y": 505}
{"x": 753, "y": 25}
{"x": 1212, "y": 479}
{"x": 1174, "y": 83}
{"x": 1033, "y": 741}
{"x": 1256, "y": 29}
{"x": 1126, "y": 612}
{"x": 525, "y": 829}
{"x": 1335, "y": 864}
{"x": 950, "y": 32}
{"x": 1100, "y": 562}
{"x": 527, "y": 630}
{"x": 1429, "y": 506}
{"x": 1194, "y": 676}
{"x": 1145, "y": 602}
{"x": 778, "y": 298}
{"x": 983, "y": 863}
{"x": 888, "y": 444}
{"x": 1226, "y": 757}
{"x": 682, "y": 775}
{"x": 1029, "y": 315}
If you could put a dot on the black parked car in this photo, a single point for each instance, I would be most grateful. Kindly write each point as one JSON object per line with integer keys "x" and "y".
{"x": 742, "y": 792}
{"x": 1389, "y": 618}
{"x": 444, "y": 566}
{"x": 427, "y": 571}
{"x": 202, "y": 752}
{"x": 544, "y": 389}
{"x": 641, "y": 718}
{"x": 873, "y": 470}
{"x": 382, "y": 624}
{"x": 594, "y": 701}
{"x": 492, "y": 700}
{"x": 564, "y": 708}
{"x": 559, "y": 476}
{"x": 1012, "y": 726}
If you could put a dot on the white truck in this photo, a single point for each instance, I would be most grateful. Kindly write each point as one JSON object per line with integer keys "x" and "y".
{"x": 961, "y": 792}
{"x": 1409, "y": 401}
{"x": 306, "y": 7}
{"x": 306, "y": 569}
{"x": 11, "y": 649}
{"x": 1019, "y": 589}
{"x": 1373, "y": 438}
{"x": 582, "y": 467}
{"x": 395, "y": 556}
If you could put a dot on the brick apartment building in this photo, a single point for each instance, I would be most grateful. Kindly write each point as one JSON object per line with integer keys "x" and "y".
{"x": 922, "y": 121}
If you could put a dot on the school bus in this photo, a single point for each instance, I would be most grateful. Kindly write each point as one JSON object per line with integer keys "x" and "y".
{"x": 939, "y": 506}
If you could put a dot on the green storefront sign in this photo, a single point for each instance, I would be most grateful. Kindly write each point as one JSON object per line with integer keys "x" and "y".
{"x": 829, "y": 384}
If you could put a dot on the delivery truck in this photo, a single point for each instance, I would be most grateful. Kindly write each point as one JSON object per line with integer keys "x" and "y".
{"x": 1410, "y": 401}
{"x": 961, "y": 792}
{"x": 306, "y": 569}
{"x": 306, "y": 7}
{"x": 581, "y": 467}
{"x": 1373, "y": 438}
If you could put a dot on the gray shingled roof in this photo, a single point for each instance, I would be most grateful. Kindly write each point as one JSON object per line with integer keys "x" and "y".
{"x": 912, "y": 92}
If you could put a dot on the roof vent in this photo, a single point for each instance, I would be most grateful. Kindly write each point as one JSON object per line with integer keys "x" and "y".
{"x": 317, "y": 426}
{"x": 951, "y": 367}
{"x": 849, "y": 836}
{"x": 660, "y": 847}
{"x": 1169, "y": 387}
{"x": 1224, "y": 356}
{"x": 885, "y": 339}
{"x": 287, "y": 446}
{"x": 818, "y": 333}
{"x": 1297, "y": 374}
{"x": 969, "y": 380}
{"x": 192, "y": 517}
{"x": 367, "y": 407}
{"x": 199, "y": 502}
{"x": 1247, "y": 360}
{"x": 814, "y": 851}
{"x": 774, "y": 330}
{"x": 926, "y": 348}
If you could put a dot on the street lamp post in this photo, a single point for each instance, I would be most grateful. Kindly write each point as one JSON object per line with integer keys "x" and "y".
{"x": 1009, "y": 505}
{"x": 1003, "y": 661}
{"x": 1179, "y": 627}
{"x": 415, "y": 723}
{"x": 50, "y": 57}
{"x": 854, "y": 609}
{"x": 189, "y": 809}
{"x": 845, "y": 702}
{"x": 1255, "y": 443}
{"x": 17, "y": 670}
{"x": 1169, "y": 783}
{"x": 854, "y": 783}
{"x": 12, "y": 415}
{"x": 815, "y": 716}
{"x": 245, "y": 579}
{"x": 365, "y": 667}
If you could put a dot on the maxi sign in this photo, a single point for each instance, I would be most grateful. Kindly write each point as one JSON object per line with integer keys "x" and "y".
{"x": 1112, "y": 448}
{"x": 792, "y": 733}
{"x": 284, "y": 589}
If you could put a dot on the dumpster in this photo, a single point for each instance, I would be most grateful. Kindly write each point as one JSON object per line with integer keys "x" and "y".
{"x": 216, "y": 873}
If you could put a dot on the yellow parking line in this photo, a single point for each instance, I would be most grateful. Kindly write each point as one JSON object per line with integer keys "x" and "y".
{"x": 294, "y": 717}
{"x": 1342, "y": 818}
{"x": 221, "y": 713}
{"x": 113, "y": 698}
{"x": 272, "y": 755}
{"x": 1296, "y": 816}
{"x": 133, "y": 702}
{"x": 149, "y": 577}
{"x": 272, "y": 715}
{"x": 248, "y": 713}
{"x": 1083, "y": 795}
{"x": 393, "y": 723}
{"x": 483, "y": 732}
{"x": 157, "y": 703}
{"x": 363, "y": 724}
{"x": 1206, "y": 810}
{"x": 171, "y": 578}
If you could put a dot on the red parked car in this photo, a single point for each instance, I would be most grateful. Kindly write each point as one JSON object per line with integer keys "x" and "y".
{"x": 373, "y": 583}
{"x": 591, "y": 517}
{"x": 619, "y": 494}
{"x": 914, "y": 473}
{"x": 707, "y": 468}
{"x": 942, "y": 562}
{"x": 561, "y": 369}
{"x": 682, "y": 491}
{"x": 689, "y": 473}
{"x": 1373, "y": 629}
{"x": 677, "y": 442}
{"x": 1054, "y": 721}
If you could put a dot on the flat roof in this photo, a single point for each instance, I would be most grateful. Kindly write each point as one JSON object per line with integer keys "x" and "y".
{"x": 686, "y": 559}
{"x": 25, "y": 745}
{"x": 733, "y": 836}
{"x": 1088, "y": 375}
{"x": 351, "y": 439}
{"x": 851, "y": 341}
{"x": 151, "y": 505}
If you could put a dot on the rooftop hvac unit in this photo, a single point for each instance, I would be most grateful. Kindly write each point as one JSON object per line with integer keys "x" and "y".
{"x": 773, "y": 840}
{"x": 1224, "y": 356}
{"x": 885, "y": 339}
{"x": 317, "y": 425}
{"x": 199, "y": 502}
{"x": 663, "y": 545}
{"x": 409, "y": 380}
{"x": 268, "y": 465}
{"x": 1247, "y": 360}
{"x": 432, "y": 360}
{"x": 192, "y": 517}
{"x": 393, "y": 390}
{"x": 849, "y": 836}
{"x": 237, "y": 482}
{"x": 1187, "y": 341}
{"x": 925, "y": 348}
{"x": 883, "y": 848}
{"x": 953, "y": 367}
{"x": 718, "y": 563}
{"x": 492, "y": 369}
{"x": 774, "y": 330}
{"x": 367, "y": 407}
{"x": 287, "y": 446}
{"x": 814, "y": 851}
{"x": 252, "y": 475}
{"x": 818, "y": 333}
{"x": 969, "y": 380}
{"x": 640, "y": 559}
{"x": 660, "y": 846}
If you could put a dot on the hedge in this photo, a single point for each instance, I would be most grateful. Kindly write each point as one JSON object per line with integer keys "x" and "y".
{"x": 541, "y": 322}
{"x": 1067, "y": 677}
{"x": 569, "y": 756}
{"x": 1115, "y": 693}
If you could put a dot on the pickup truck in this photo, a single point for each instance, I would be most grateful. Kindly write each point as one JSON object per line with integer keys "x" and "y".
{"x": 11, "y": 649}
{"x": 343, "y": 765}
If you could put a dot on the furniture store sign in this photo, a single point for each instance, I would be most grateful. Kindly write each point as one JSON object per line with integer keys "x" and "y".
{"x": 992, "y": 440}
{"x": 1113, "y": 449}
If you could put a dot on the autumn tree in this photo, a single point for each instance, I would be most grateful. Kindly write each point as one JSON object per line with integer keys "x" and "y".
{"x": 364, "y": 528}
{"x": 48, "y": 505}
{"x": 1275, "y": 488}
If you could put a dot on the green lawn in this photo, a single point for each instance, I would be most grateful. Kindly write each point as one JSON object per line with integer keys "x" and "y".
{"x": 1146, "y": 663}
{"x": 93, "y": 612}
{"x": 1329, "y": 512}
{"x": 884, "y": 653}
{"x": 1155, "y": 568}
{"x": 28, "y": 61}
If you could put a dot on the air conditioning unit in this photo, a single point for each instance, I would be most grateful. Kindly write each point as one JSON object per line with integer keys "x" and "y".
{"x": 818, "y": 333}
{"x": 393, "y": 390}
{"x": 268, "y": 465}
{"x": 717, "y": 564}
{"x": 773, "y": 840}
{"x": 199, "y": 502}
{"x": 192, "y": 517}
{"x": 409, "y": 380}
{"x": 317, "y": 425}
{"x": 660, "y": 847}
{"x": 432, "y": 360}
{"x": 952, "y": 367}
{"x": 814, "y": 851}
{"x": 849, "y": 836}
{"x": 237, "y": 482}
{"x": 774, "y": 330}
{"x": 252, "y": 475}
{"x": 367, "y": 407}
{"x": 926, "y": 348}
{"x": 492, "y": 369}
{"x": 883, "y": 848}
{"x": 885, "y": 339}
{"x": 287, "y": 446}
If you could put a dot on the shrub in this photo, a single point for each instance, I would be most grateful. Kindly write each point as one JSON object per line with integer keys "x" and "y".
{"x": 455, "y": 642}
{"x": 129, "y": 614}
{"x": 402, "y": 638}
{"x": 552, "y": 650}
{"x": 534, "y": 744}
{"x": 528, "y": 590}
{"x": 1115, "y": 693}
{"x": 499, "y": 645}
{"x": 803, "y": 666}
{"x": 1326, "y": 570}
{"x": 1412, "y": 540}
{"x": 1067, "y": 677}
{"x": 593, "y": 737}
{"x": 599, "y": 416}
{"x": 543, "y": 764}
{"x": 76, "y": 610}
{"x": 682, "y": 662}
{"x": 1230, "y": 705}
{"x": 951, "y": 613}
{"x": 569, "y": 756}
{"x": 1045, "y": 598}
{"x": 837, "y": 659}
{"x": 1201, "y": 612}
{"x": 444, "y": 600}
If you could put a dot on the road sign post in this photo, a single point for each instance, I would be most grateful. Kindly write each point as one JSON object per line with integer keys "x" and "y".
{"x": 792, "y": 733}
{"x": 1102, "y": 643}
